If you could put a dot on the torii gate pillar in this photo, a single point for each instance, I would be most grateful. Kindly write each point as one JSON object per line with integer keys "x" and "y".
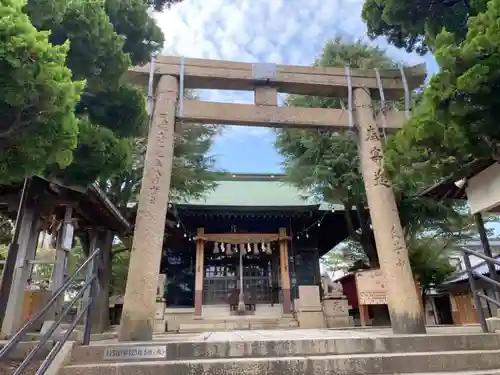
{"x": 140, "y": 295}
{"x": 403, "y": 300}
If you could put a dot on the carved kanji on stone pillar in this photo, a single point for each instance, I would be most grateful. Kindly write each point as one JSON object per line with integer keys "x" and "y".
{"x": 140, "y": 296}
{"x": 404, "y": 306}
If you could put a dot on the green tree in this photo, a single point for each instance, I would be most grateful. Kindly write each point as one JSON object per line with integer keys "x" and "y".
{"x": 37, "y": 99}
{"x": 428, "y": 257}
{"x": 326, "y": 164}
{"x": 413, "y": 25}
{"x": 6, "y": 228}
{"x": 429, "y": 260}
{"x": 456, "y": 120}
{"x": 49, "y": 128}
{"x": 192, "y": 168}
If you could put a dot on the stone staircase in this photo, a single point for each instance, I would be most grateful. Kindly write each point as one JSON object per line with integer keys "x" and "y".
{"x": 332, "y": 352}
{"x": 238, "y": 323}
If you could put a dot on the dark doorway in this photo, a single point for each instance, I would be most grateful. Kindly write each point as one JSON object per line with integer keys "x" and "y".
{"x": 222, "y": 277}
{"x": 443, "y": 309}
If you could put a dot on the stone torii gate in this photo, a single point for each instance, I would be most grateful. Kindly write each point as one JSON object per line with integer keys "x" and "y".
{"x": 174, "y": 74}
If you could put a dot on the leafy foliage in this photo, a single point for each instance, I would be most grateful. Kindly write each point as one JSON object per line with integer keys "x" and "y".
{"x": 457, "y": 118}
{"x": 429, "y": 260}
{"x": 326, "y": 164}
{"x": 99, "y": 153}
{"x": 119, "y": 267}
{"x": 6, "y": 228}
{"x": 192, "y": 167}
{"x": 413, "y": 25}
{"x": 77, "y": 140}
{"x": 131, "y": 18}
{"x": 161, "y": 4}
{"x": 38, "y": 125}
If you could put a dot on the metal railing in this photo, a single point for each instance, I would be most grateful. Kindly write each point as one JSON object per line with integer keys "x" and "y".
{"x": 492, "y": 279}
{"x": 88, "y": 291}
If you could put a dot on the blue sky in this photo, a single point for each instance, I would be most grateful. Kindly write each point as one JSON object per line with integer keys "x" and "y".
{"x": 277, "y": 31}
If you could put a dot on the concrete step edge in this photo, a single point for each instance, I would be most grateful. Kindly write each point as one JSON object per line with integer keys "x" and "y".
{"x": 166, "y": 341}
{"x": 350, "y": 357}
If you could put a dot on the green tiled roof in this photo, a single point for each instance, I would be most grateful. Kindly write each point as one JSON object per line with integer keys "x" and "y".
{"x": 262, "y": 191}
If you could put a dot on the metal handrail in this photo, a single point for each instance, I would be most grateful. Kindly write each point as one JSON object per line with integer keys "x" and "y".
{"x": 89, "y": 288}
{"x": 481, "y": 255}
{"x": 473, "y": 274}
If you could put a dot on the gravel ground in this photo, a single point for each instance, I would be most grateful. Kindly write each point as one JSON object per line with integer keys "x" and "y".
{"x": 8, "y": 367}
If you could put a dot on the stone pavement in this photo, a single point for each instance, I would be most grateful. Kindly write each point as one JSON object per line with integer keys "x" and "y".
{"x": 298, "y": 334}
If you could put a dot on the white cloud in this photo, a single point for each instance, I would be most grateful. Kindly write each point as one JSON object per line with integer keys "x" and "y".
{"x": 279, "y": 31}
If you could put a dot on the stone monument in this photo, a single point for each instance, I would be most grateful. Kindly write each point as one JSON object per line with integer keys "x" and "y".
{"x": 308, "y": 307}
{"x": 335, "y": 305}
{"x": 159, "y": 320}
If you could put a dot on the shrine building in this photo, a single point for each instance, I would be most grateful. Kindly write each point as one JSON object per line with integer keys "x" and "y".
{"x": 253, "y": 230}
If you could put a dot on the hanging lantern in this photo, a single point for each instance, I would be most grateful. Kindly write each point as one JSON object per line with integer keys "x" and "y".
{"x": 229, "y": 250}
{"x": 269, "y": 249}
{"x": 263, "y": 247}
{"x": 235, "y": 249}
{"x": 222, "y": 247}
{"x": 216, "y": 248}
{"x": 256, "y": 248}
{"x": 249, "y": 247}
{"x": 242, "y": 248}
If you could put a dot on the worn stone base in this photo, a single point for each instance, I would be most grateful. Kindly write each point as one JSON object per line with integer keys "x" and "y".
{"x": 311, "y": 319}
{"x": 336, "y": 313}
{"x": 160, "y": 326}
{"x": 304, "y": 352}
{"x": 337, "y": 322}
{"x": 493, "y": 324}
{"x": 76, "y": 335}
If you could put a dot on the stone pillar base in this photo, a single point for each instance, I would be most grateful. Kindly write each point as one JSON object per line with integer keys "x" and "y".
{"x": 493, "y": 324}
{"x": 311, "y": 319}
{"x": 336, "y": 312}
{"x": 338, "y": 322}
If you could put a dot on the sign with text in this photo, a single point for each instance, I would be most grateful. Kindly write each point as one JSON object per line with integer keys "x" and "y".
{"x": 136, "y": 352}
{"x": 371, "y": 287}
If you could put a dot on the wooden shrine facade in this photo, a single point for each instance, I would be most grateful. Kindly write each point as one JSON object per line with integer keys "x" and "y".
{"x": 269, "y": 241}
{"x": 240, "y": 270}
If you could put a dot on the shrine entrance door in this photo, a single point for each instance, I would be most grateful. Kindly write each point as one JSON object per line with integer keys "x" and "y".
{"x": 222, "y": 278}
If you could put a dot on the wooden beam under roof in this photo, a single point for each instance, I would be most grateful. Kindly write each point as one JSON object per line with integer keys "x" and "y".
{"x": 291, "y": 79}
{"x": 251, "y": 115}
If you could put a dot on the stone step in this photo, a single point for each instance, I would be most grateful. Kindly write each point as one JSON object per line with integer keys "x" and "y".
{"x": 351, "y": 364}
{"x": 176, "y": 350}
{"x": 210, "y": 325}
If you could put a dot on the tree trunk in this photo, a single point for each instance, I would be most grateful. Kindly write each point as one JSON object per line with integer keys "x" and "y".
{"x": 367, "y": 237}
{"x": 370, "y": 250}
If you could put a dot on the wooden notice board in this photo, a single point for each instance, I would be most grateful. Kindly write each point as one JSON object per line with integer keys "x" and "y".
{"x": 371, "y": 287}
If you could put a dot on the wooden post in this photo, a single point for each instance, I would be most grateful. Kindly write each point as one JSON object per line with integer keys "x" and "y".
{"x": 60, "y": 270}
{"x": 478, "y": 218}
{"x": 198, "y": 290}
{"x": 140, "y": 296}
{"x": 364, "y": 315}
{"x": 403, "y": 300}
{"x": 6, "y": 279}
{"x": 285, "y": 273}
{"x": 100, "y": 318}
{"x": 267, "y": 96}
{"x": 28, "y": 239}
